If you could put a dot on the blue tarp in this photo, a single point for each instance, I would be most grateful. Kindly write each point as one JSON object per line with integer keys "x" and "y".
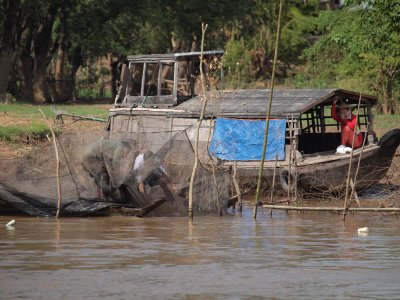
{"x": 243, "y": 139}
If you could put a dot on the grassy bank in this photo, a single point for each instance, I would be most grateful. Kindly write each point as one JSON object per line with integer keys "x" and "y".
{"x": 23, "y": 124}
{"x": 19, "y": 111}
{"x": 17, "y": 133}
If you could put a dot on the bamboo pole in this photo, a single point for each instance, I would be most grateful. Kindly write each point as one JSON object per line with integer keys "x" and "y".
{"x": 290, "y": 158}
{"x": 236, "y": 185}
{"x": 196, "y": 148}
{"x": 273, "y": 183}
{"x": 350, "y": 161}
{"x": 309, "y": 208}
{"x": 353, "y": 182}
{"x": 57, "y": 164}
{"x": 217, "y": 188}
{"x": 278, "y": 32}
{"x": 295, "y": 147}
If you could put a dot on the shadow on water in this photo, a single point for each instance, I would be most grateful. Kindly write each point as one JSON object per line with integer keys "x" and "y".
{"x": 295, "y": 255}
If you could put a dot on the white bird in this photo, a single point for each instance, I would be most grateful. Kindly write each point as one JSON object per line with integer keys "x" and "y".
{"x": 363, "y": 230}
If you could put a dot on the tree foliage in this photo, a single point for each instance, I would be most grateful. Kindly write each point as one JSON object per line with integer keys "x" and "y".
{"x": 359, "y": 49}
{"x": 46, "y": 44}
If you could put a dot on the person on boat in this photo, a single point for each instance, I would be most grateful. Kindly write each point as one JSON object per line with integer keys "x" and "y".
{"x": 348, "y": 122}
{"x": 109, "y": 163}
{"x": 149, "y": 171}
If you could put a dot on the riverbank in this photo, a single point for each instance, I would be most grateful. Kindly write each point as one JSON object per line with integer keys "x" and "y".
{"x": 22, "y": 126}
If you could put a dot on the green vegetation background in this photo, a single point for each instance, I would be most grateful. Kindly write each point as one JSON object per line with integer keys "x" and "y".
{"x": 57, "y": 50}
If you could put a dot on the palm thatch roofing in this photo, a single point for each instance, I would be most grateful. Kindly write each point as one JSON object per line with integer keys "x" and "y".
{"x": 254, "y": 103}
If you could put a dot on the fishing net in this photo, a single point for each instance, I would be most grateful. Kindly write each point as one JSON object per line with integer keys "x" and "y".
{"x": 103, "y": 172}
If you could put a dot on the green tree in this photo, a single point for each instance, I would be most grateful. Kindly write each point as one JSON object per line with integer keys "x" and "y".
{"x": 256, "y": 32}
{"x": 359, "y": 48}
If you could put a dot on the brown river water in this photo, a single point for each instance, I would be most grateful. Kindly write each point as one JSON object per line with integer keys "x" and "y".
{"x": 288, "y": 256}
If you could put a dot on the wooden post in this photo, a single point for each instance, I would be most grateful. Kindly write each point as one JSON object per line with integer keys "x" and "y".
{"x": 295, "y": 145}
{"x": 260, "y": 173}
{"x": 290, "y": 157}
{"x": 350, "y": 161}
{"x": 196, "y": 148}
{"x": 176, "y": 78}
{"x": 159, "y": 79}
{"x": 57, "y": 164}
{"x": 143, "y": 79}
{"x": 129, "y": 80}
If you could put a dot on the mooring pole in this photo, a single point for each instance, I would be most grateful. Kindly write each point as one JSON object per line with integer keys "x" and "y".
{"x": 353, "y": 182}
{"x": 350, "y": 160}
{"x": 260, "y": 173}
{"x": 196, "y": 148}
{"x": 237, "y": 187}
{"x": 57, "y": 164}
{"x": 273, "y": 183}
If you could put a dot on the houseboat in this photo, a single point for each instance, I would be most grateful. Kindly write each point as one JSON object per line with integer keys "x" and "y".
{"x": 160, "y": 93}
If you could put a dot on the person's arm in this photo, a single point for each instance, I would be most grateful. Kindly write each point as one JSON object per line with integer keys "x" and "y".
{"x": 334, "y": 113}
{"x": 167, "y": 177}
{"x": 141, "y": 187}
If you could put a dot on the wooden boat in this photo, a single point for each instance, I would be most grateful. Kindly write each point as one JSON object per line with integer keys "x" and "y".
{"x": 158, "y": 93}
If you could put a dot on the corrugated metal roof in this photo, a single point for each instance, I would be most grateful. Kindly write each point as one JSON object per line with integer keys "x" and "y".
{"x": 172, "y": 56}
{"x": 254, "y": 103}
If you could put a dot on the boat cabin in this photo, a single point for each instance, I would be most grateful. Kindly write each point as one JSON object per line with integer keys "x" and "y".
{"x": 165, "y": 80}
{"x": 306, "y": 114}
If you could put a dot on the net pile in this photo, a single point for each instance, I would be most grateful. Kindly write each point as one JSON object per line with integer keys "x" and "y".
{"x": 102, "y": 170}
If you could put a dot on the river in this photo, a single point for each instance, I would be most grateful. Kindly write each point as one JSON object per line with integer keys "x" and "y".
{"x": 288, "y": 256}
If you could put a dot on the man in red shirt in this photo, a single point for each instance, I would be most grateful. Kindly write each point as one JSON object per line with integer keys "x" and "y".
{"x": 348, "y": 123}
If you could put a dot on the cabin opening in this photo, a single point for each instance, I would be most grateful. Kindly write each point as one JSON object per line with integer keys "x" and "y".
{"x": 319, "y": 132}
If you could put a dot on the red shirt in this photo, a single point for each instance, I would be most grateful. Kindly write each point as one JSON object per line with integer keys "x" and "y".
{"x": 351, "y": 123}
